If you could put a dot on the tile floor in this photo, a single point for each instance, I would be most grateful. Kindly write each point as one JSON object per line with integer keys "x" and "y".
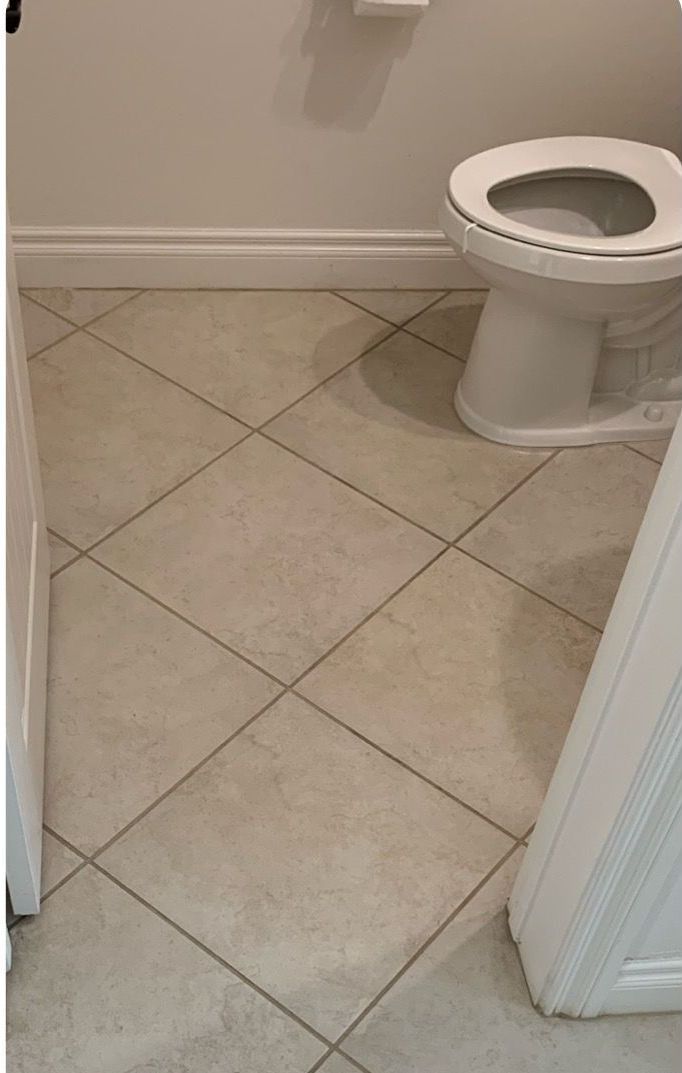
{"x": 314, "y": 651}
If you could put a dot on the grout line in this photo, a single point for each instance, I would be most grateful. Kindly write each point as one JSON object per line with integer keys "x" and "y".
{"x": 85, "y": 323}
{"x": 436, "y": 346}
{"x": 188, "y": 775}
{"x": 209, "y": 402}
{"x": 344, "y": 297}
{"x": 65, "y": 566}
{"x": 212, "y": 954}
{"x": 321, "y": 1060}
{"x": 333, "y": 1046}
{"x": 130, "y": 298}
{"x": 418, "y": 953}
{"x": 353, "y": 487}
{"x": 539, "y": 595}
{"x": 353, "y": 1062}
{"x": 290, "y": 689}
{"x": 62, "y": 338}
{"x": 188, "y": 622}
{"x": 368, "y": 616}
{"x": 364, "y": 309}
{"x": 641, "y": 453}
{"x": 519, "y": 484}
{"x": 168, "y": 379}
{"x": 64, "y": 539}
{"x": 91, "y": 858}
{"x": 407, "y": 767}
{"x": 430, "y": 306}
{"x": 62, "y": 882}
{"x": 342, "y": 368}
{"x": 164, "y": 495}
{"x": 65, "y": 842}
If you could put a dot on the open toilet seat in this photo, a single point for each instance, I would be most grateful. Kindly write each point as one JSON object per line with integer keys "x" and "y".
{"x": 656, "y": 172}
{"x": 580, "y": 242}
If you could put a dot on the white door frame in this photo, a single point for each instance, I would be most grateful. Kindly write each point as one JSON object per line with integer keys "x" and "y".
{"x": 27, "y": 594}
{"x": 608, "y": 842}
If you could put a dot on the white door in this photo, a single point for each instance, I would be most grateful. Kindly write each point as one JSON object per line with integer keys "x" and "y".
{"x": 27, "y": 587}
{"x": 597, "y": 906}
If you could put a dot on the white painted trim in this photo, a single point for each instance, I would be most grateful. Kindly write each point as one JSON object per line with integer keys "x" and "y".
{"x": 607, "y": 842}
{"x": 647, "y": 985}
{"x": 206, "y": 257}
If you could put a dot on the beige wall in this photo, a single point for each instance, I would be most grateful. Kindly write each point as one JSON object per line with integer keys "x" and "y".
{"x": 296, "y": 114}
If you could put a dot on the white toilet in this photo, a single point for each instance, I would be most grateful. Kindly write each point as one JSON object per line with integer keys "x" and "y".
{"x": 580, "y": 241}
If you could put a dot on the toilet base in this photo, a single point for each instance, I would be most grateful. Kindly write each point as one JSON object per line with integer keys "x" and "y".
{"x": 610, "y": 419}
{"x": 530, "y": 376}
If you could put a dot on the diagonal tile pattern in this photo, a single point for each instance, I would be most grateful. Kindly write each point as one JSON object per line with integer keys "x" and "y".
{"x": 466, "y": 996}
{"x": 155, "y": 695}
{"x": 467, "y": 678}
{"x": 61, "y": 553}
{"x": 451, "y": 323}
{"x": 301, "y": 825}
{"x": 80, "y": 306}
{"x": 397, "y": 307}
{"x": 249, "y": 352}
{"x": 387, "y": 425}
{"x": 275, "y": 873}
{"x": 336, "y": 1063}
{"x": 58, "y": 863}
{"x": 41, "y": 328}
{"x": 567, "y": 533}
{"x": 270, "y": 555}
{"x": 113, "y": 436}
{"x": 152, "y": 1000}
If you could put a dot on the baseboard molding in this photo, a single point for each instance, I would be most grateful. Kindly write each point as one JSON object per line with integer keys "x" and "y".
{"x": 169, "y": 257}
{"x": 647, "y": 985}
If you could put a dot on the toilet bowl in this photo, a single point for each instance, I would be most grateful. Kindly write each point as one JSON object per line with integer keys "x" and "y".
{"x": 580, "y": 241}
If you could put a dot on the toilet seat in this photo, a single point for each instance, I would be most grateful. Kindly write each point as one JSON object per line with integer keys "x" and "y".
{"x": 656, "y": 171}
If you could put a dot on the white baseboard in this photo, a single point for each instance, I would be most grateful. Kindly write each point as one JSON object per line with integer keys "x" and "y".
{"x": 647, "y": 985}
{"x": 169, "y": 257}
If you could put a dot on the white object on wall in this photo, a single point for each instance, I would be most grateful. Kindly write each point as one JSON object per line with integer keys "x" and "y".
{"x": 606, "y": 855}
{"x": 28, "y": 570}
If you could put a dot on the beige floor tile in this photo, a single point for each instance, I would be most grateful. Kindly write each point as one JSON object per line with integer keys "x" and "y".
{"x": 113, "y": 436}
{"x": 58, "y": 862}
{"x": 468, "y": 679}
{"x": 337, "y": 1064}
{"x": 81, "y": 304}
{"x": 250, "y": 352}
{"x": 60, "y": 553}
{"x": 41, "y": 328}
{"x": 136, "y": 698}
{"x": 568, "y": 532}
{"x": 655, "y": 449}
{"x": 308, "y": 860}
{"x": 387, "y": 425}
{"x": 464, "y": 1005}
{"x": 270, "y": 555}
{"x": 394, "y": 305}
{"x": 100, "y": 984}
{"x": 451, "y": 323}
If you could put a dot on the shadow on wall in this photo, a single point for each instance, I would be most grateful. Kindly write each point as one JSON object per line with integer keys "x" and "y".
{"x": 350, "y": 61}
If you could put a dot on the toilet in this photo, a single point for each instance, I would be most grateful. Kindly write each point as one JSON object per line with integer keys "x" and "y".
{"x": 580, "y": 242}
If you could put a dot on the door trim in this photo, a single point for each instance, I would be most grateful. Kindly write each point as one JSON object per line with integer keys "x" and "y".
{"x": 609, "y": 834}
